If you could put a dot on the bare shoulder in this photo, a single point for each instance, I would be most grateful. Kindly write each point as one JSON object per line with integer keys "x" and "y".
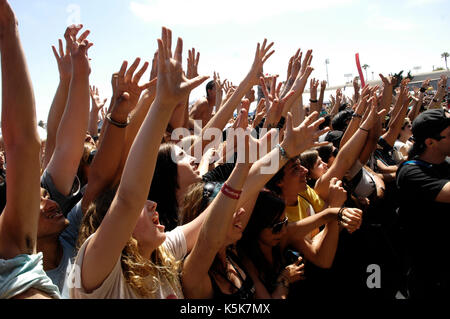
{"x": 200, "y": 103}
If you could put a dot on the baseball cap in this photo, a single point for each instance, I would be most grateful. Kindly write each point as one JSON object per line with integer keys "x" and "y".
{"x": 430, "y": 124}
{"x": 334, "y": 137}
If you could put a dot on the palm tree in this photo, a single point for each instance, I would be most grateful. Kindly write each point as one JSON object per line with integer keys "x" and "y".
{"x": 365, "y": 67}
{"x": 445, "y": 55}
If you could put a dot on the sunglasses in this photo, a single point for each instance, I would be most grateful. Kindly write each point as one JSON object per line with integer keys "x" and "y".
{"x": 276, "y": 228}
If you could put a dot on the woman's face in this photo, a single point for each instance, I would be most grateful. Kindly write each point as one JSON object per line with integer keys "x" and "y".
{"x": 406, "y": 130}
{"x": 272, "y": 235}
{"x": 187, "y": 168}
{"x": 51, "y": 219}
{"x": 320, "y": 168}
{"x": 148, "y": 231}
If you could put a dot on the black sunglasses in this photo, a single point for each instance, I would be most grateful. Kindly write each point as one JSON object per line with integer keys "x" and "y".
{"x": 276, "y": 228}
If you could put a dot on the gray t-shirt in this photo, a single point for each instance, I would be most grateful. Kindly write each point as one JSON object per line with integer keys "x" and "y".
{"x": 65, "y": 202}
{"x": 68, "y": 240}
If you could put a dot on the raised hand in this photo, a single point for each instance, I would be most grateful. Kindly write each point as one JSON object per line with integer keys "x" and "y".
{"x": 298, "y": 139}
{"x": 78, "y": 49}
{"x": 269, "y": 95}
{"x": 313, "y": 85}
{"x": 219, "y": 87}
{"x": 426, "y": 84}
{"x": 372, "y": 116}
{"x": 332, "y": 99}
{"x": 296, "y": 64}
{"x": 126, "y": 81}
{"x": 302, "y": 78}
{"x": 260, "y": 112}
{"x": 8, "y": 20}
{"x": 97, "y": 103}
{"x": 275, "y": 109}
{"x": 172, "y": 86}
{"x": 261, "y": 55}
{"x": 192, "y": 64}
{"x": 389, "y": 81}
{"x": 154, "y": 70}
{"x": 63, "y": 60}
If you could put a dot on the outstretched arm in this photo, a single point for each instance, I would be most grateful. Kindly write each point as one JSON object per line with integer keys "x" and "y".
{"x": 321, "y": 250}
{"x": 212, "y": 237}
{"x": 118, "y": 225}
{"x": 96, "y": 107}
{"x": 106, "y": 163}
{"x": 19, "y": 221}
{"x": 296, "y": 140}
{"x": 349, "y": 153}
{"x": 59, "y": 101}
{"x": 398, "y": 116}
{"x": 72, "y": 129}
{"x": 221, "y": 118}
{"x": 127, "y": 81}
{"x": 412, "y": 114}
{"x": 440, "y": 93}
{"x": 314, "y": 102}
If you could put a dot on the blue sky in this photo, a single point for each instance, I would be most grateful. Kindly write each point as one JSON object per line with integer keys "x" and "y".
{"x": 389, "y": 35}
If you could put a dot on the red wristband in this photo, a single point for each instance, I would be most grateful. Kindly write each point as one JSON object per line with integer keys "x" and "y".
{"x": 230, "y": 192}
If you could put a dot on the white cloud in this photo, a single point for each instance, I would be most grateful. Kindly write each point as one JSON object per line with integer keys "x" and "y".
{"x": 379, "y": 21}
{"x": 419, "y": 3}
{"x": 205, "y": 12}
{"x": 386, "y": 23}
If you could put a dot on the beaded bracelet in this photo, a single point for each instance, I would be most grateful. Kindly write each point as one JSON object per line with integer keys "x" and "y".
{"x": 283, "y": 152}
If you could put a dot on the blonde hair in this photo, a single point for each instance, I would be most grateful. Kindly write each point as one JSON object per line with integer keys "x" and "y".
{"x": 192, "y": 203}
{"x": 136, "y": 268}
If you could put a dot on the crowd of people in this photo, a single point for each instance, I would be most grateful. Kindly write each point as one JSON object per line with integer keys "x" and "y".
{"x": 151, "y": 197}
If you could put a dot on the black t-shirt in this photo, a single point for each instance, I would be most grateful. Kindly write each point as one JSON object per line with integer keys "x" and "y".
{"x": 385, "y": 153}
{"x": 424, "y": 221}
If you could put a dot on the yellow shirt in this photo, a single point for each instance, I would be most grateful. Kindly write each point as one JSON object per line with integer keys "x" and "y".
{"x": 308, "y": 204}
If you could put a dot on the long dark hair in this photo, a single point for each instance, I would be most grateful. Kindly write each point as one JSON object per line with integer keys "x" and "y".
{"x": 268, "y": 209}
{"x": 164, "y": 187}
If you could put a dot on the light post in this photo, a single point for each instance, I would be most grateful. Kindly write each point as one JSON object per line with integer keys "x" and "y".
{"x": 327, "y": 61}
